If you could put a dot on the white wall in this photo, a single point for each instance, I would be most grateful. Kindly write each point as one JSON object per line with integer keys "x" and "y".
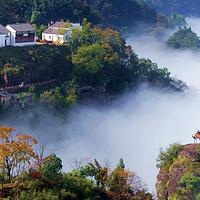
{"x": 12, "y": 38}
{"x": 61, "y": 38}
{"x": 53, "y": 37}
{"x": 3, "y": 38}
{"x": 12, "y": 35}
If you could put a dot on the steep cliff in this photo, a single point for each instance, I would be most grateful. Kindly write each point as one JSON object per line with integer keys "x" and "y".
{"x": 179, "y": 176}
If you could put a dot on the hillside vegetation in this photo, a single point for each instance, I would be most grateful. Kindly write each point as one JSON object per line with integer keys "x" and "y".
{"x": 184, "y": 38}
{"x": 184, "y": 7}
{"x": 109, "y": 13}
{"x": 26, "y": 174}
{"x": 95, "y": 62}
{"x": 178, "y": 178}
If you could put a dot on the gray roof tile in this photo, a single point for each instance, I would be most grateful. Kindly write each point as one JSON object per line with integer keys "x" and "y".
{"x": 22, "y": 27}
{"x": 57, "y": 24}
{"x": 3, "y": 30}
{"x": 53, "y": 31}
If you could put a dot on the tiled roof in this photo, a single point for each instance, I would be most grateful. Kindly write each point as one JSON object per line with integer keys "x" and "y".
{"x": 3, "y": 30}
{"x": 22, "y": 27}
{"x": 54, "y": 31}
{"x": 57, "y": 24}
{"x": 51, "y": 31}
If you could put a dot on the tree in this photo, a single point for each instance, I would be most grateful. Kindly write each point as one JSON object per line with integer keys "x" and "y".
{"x": 16, "y": 151}
{"x": 9, "y": 69}
{"x": 79, "y": 187}
{"x": 191, "y": 184}
{"x": 75, "y": 39}
{"x": 99, "y": 173}
{"x": 89, "y": 58}
{"x": 184, "y": 38}
{"x": 119, "y": 183}
{"x": 177, "y": 20}
{"x": 40, "y": 30}
{"x": 124, "y": 184}
{"x": 51, "y": 168}
{"x": 167, "y": 157}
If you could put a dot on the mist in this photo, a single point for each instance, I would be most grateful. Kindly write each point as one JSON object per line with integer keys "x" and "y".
{"x": 138, "y": 124}
{"x": 183, "y": 64}
{"x": 142, "y": 122}
{"x": 135, "y": 130}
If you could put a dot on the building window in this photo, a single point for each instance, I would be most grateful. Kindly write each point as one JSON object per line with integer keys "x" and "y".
{"x": 24, "y": 39}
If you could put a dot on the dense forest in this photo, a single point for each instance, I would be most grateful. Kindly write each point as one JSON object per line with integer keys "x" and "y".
{"x": 184, "y": 7}
{"x": 108, "y": 13}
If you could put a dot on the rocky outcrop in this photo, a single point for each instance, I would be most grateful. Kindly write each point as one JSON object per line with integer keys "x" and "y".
{"x": 168, "y": 184}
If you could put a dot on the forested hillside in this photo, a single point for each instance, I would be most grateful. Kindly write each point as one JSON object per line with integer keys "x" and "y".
{"x": 44, "y": 11}
{"x": 109, "y": 13}
{"x": 123, "y": 14}
{"x": 184, "y": 38}
{"x": 95, "y": 62}
{"x": 184, "y": 7}
{"x": 50, "y": 81}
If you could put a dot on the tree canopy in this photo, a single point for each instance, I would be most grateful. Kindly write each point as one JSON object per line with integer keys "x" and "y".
{"x": 109, "y": 13}
{"x": 184, "y": 7}
{"x": 16, "y": 151}
{"x": 167, "y": 157}
{"x": 184, "y": 38}
{"x": 43, "y": 178}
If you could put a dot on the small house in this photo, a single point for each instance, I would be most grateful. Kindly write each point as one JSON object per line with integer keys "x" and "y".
{"x": 4, "y": 36}
{"x": 21, "y": 34}
{"x": 58, "y": 31}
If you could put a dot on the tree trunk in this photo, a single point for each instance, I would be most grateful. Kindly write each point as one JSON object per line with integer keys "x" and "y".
{"x": 8, "y": 170}
{"x": 5, "y": 76}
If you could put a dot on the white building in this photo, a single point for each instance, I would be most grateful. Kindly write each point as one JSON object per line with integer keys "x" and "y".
{"x": 58, "y": 31}
{"x": 4, "y": 36}
{"x": 21, "y": 34}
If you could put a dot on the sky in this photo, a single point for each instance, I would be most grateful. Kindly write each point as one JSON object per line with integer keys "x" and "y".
{"x": 139, "y": 123}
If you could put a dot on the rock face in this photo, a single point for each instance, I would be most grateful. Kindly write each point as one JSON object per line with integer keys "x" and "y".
{"x": 169, "y": 183}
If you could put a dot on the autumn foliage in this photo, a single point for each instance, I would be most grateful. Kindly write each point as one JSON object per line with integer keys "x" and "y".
{"x": 30, "y": 176}
{"x": 16, "y": 151}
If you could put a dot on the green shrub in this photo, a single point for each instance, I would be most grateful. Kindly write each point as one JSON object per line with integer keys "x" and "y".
{"x": 183, "y": 39}
{"x": 167, "y": 157}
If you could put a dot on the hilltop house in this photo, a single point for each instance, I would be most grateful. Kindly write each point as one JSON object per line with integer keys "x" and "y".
{"x": 21, "y": 34}
{"x": 4, "y": 36}
{"x": 58, "y": 31}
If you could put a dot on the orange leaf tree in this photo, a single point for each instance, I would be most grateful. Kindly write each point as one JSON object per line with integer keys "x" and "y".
{"x": 16, "y": 151}
{"x": 124, "y": 184}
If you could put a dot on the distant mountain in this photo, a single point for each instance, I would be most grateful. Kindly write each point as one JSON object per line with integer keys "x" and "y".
{"x": 120, "y": 14}
{"x": 184, "y": 7}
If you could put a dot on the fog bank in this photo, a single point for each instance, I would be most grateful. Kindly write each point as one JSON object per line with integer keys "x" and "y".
{"x": 135, "y": 130}
{"x": 138, "y": 125}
